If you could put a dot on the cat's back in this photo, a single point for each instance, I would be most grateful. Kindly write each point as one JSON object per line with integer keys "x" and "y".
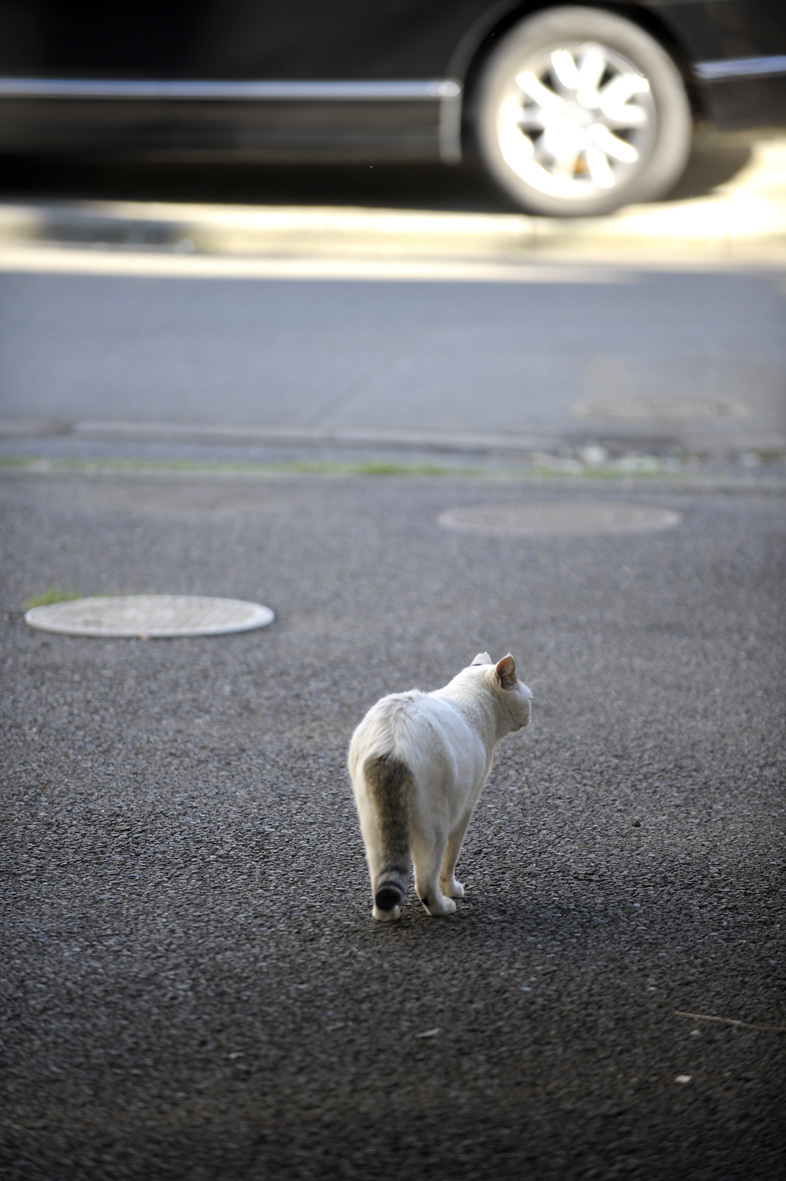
{"x": 380, "y": 730}
{"x": 414, "y": 725}
{"x": 390, "y": 718}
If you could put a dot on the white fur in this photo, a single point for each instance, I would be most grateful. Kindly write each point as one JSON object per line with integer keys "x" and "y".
{"x": 446, "y": 739}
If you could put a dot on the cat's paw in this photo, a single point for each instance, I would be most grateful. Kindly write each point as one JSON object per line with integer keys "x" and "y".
{"x": 439, "y": 907}
{"x": 386, "y": 916}
{"x": 452, "y": 889}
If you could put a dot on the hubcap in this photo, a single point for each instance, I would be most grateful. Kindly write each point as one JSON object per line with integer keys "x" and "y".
{"x": 576, "y": 121}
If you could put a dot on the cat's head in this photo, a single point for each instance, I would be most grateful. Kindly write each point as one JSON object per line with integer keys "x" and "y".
{"x": 514, "y": 696}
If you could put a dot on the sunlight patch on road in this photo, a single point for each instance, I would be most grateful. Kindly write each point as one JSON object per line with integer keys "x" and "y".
{"x": 53, "y": 260}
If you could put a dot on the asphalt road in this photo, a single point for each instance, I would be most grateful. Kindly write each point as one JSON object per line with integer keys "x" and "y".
{"x": 560, "y": 356}
{"x": 192, "y": 983}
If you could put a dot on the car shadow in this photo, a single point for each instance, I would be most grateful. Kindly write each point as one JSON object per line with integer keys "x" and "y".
{"x": 709, "y": 168}
{"x": 461, "y": 189}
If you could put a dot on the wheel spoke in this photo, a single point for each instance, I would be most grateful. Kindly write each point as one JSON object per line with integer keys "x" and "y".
{"x": 611, "y": 145}
{"x": 615, "y": 101}
{"x": 563, "y": 67}
{"x": 542, "y": 154}
{"x": 540, "y": 94}
{"x": 529, "y": 119}
{"x": 599, "y": 168}
{"x": 592, "y": 67}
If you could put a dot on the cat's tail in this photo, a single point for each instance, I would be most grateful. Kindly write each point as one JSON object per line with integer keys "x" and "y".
{"x": 390, "y": 783}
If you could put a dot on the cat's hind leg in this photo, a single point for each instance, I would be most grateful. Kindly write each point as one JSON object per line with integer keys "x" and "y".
{"x": 448, "y": 882}
{"x": 450, "y": 886}
{"x": 428, "y": 860}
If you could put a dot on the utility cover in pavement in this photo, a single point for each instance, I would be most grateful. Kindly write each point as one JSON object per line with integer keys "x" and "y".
{"x": 150, "y": 616}
{"x": 561, "y": 518}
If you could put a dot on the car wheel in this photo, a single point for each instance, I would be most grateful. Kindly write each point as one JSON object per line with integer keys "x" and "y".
{"x": 579, "y": 111}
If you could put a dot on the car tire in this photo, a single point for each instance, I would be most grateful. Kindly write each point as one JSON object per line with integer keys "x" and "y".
{"x": 578, "y": 111}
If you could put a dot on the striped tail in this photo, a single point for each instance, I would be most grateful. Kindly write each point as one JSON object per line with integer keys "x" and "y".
{"x": 389, "y": 783}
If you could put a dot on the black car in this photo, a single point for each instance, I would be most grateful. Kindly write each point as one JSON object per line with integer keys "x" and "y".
{"x": 572, "y": 109}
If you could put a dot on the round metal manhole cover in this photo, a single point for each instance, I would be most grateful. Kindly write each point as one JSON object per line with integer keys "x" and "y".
{"x": 150, "y": 616}
{"x": 562, "y": 518}
{"x": 659, "y": 410}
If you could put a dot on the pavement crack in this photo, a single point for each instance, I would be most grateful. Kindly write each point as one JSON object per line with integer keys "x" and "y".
{"x": 359, "y": 385}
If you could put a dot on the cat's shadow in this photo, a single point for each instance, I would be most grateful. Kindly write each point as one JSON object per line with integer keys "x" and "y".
{"x": 487, "y": 920}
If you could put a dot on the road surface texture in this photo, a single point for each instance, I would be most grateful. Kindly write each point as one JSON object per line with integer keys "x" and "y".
{"x": 680, "y": 363}
{"x": 193, "y": 986}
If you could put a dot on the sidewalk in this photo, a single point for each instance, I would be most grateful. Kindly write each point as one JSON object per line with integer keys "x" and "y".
{"x": 741, "y": 222}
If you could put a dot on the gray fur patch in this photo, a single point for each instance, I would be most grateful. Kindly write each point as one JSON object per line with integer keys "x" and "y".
{"x": 390, "y": 785}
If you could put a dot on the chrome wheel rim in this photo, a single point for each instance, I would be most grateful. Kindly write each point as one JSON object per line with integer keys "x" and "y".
{"x": 576, "y": 121}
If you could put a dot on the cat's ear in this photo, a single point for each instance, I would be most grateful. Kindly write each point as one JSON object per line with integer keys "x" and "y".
{"x": 481, "y": 658}
{"x": 506, "y": 672}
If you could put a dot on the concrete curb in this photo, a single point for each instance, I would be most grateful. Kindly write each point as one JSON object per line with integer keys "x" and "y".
{"x": 743, "y": 221}
{"x": 456, "y": 442}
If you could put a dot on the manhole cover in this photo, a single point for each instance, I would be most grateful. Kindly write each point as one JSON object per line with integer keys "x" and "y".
{"x": 151, "y": 616}
{"x": 658, "y": 410}
{"x": 561, "y": 518}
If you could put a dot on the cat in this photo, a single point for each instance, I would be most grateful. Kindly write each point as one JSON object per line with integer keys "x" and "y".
{"x": 418, "y": 763}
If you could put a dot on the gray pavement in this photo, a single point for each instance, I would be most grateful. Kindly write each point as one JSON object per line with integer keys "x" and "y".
{"x": 192, "y": 983}
{"x": 607, "y": 362}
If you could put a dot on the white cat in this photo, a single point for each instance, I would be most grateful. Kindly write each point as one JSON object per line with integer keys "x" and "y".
{"x": 418, "y": 763}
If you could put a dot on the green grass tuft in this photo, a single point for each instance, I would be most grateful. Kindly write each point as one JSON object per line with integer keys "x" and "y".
{"x": 52, "y": 595}
{"x": 537, "y": 467}
{"x": 15, "y": 460}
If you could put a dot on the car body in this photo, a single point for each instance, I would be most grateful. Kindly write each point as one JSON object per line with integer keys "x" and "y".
{"x": 607, "y": 91}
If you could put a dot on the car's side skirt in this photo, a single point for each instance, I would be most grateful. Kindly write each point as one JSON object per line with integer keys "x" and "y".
{"x": 417, "y": 118}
